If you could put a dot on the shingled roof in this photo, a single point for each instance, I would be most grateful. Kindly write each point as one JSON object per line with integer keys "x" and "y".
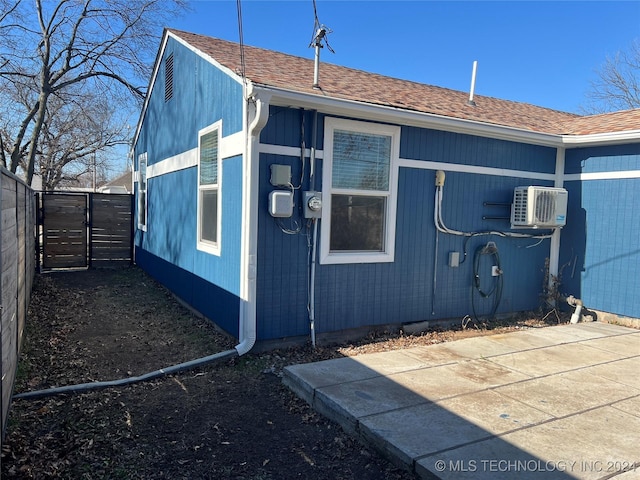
{"x": 279, "y": 70}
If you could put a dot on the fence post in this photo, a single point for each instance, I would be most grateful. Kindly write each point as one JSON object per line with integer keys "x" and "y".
{"x": 90, "y": 232}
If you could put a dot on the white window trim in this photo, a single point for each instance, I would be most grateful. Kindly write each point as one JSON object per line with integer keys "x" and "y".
{"x": 388, "y": 255}
{"x": 143, "y": 157}
{"x": 204, "y": 245}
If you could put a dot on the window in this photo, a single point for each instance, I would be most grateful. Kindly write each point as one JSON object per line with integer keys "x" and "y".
{"x": 142, "y": 191}
{"x": 209, "y": 208}
{"x": 168, "y": 78}
{"x": 359, "y": 173}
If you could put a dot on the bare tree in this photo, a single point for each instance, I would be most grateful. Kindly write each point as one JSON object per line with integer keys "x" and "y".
{"x": 618, "y": 84}
{"x": 75, "y": 132}
{"x": 63, "y": 50}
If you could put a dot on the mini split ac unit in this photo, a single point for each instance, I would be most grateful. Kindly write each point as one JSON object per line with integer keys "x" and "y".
{"x": 538, "y": 207}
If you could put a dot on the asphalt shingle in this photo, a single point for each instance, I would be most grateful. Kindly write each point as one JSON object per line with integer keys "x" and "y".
{"x": 279, "y": 70}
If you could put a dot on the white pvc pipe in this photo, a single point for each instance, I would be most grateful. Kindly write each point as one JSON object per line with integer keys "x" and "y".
{"x": 316, "y": 67}
{"x": 473, "y": 83}
{"x": 575, "y": 318}
{"x": 575, "y": 302}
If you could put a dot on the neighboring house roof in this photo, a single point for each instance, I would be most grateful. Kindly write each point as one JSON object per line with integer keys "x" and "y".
{"x": 278, "y": 70}
{"x": 124, "y": 180}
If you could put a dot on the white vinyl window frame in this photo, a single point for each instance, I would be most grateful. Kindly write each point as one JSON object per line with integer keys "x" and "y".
{"x": 203, "y": 244}
{"x": 142, "y": 192}
{"x": 387, "y": 253}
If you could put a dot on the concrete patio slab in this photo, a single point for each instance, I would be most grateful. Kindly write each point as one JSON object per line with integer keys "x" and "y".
{"x": 623, "y": 371}
{"x": 569, "y": 392}
{"x": 451, "y": 422}
{"x": 624, "y": 344}
{"x": 558, "y": 402}
{"x": 573, "y": 447}
{"x": 555, "y": 359}
{"x": 630, "y": 406}
{"x": 483, "y": 347}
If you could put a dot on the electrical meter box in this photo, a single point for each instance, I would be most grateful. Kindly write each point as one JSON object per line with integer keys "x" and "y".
{"x": 281, "y": 203}
{"x": 312, "y": 204}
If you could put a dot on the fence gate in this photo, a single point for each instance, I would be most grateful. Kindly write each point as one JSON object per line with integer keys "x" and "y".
{"x": 78, "y": 230}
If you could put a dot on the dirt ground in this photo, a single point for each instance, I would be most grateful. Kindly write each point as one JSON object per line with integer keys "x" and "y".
{"x": 231, "y": 420}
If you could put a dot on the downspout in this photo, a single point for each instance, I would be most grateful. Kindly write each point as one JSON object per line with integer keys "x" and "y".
{"x": 554, "y": 247}
{"x": 255, "y": 120}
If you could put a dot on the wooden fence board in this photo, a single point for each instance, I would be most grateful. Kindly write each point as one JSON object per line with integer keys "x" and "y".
{"x": 64, "y": 237}
{"x": 111, "y": 229}
{"x": 17, "y": 262}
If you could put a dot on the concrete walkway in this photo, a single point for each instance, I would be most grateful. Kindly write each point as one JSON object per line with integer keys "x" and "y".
{"x": 556, "y": 402}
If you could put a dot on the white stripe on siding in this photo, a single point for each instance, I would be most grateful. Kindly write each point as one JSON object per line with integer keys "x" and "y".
{"x": 173, "y": 164}
{"x": 455, "y": 167}
{"x": 287, "y": 151}
{"x": 230, "y": 146}
{"x": 572, "y": 177}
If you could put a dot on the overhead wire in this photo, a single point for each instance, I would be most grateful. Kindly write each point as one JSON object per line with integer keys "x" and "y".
{"x": 243, "y": 66}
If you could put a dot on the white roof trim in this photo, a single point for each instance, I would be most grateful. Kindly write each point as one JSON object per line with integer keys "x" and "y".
{"x": 440, "y": 122}
{"x": 595, "y": 139}
{"x": 400, "y": 116}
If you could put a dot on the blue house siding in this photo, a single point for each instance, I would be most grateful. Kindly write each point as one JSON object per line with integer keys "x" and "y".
{"x": 202, "y": 95}
{"x": 210, "y": 300}
{"x": 601, "y": 244}
{"x": 282, "y": 269}
{"x": 436, "y": 145}
{"x": 354, "y": 295}
{"x": 172, "y": 231}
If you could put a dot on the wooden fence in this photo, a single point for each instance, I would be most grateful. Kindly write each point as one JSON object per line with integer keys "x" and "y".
{"x": 79, "y": 230}
{"x": 17, "y": 264}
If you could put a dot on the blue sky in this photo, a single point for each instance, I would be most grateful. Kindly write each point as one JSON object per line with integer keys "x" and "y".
{"x": 542, "y": 52}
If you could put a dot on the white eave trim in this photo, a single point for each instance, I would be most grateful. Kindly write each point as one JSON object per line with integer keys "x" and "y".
{"x": 399, "y": 116}
{"x": 596, "y": 139}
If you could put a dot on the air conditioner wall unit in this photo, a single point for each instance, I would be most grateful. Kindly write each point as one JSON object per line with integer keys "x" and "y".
{"x": 539, "y": 207}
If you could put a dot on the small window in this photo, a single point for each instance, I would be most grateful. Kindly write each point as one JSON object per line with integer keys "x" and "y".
{"x": 168, "y": 78}
{"x": 209, "y": 207}
{"x": 360, "y": 171}
{"x": 142, "y": 191}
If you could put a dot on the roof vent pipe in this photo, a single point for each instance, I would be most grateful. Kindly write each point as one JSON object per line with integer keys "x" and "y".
{"x": 473, "y": 84}
{"x": 317, "y": 43}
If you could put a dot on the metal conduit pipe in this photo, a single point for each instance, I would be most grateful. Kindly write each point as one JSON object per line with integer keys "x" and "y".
{"x": 85, "y": 387}
{"x": 577, "y": 303}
